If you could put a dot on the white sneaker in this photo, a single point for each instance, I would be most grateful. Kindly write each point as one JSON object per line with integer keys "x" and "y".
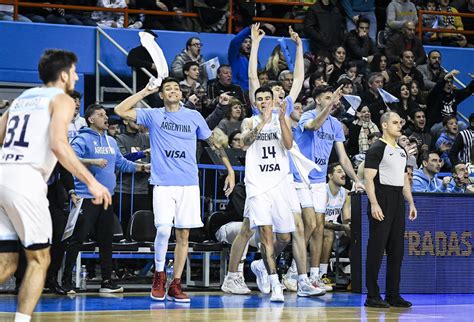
{"x": 317, "y": 282}
{"x": 277, "y": 293}
{"x": 290, "y": 280}
{"x": 235, "y": 285}
{"x": 305, "y": 288}
{"x": 263, "y": 282}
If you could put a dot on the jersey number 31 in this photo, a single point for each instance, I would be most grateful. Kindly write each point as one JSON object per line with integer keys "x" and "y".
{"x": 12, "y": 131}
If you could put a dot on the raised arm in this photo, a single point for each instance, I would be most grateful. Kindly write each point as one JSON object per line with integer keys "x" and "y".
{"x": 318, "y": 121}
{"x": 62, "y": 111}
{"x": 298, "y": 73}
{"x": 285, "y": 125}
{"x": 126, "y": 109}
{"x": 256, "y": 35}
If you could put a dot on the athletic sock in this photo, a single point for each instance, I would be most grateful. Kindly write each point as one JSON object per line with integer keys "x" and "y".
{"x": 302, "y": 278}
{"x": 274, "y": 279}
{"x": 323, "y": 269}
{"x": 314, "y": 272}
{"x": 240, "y": 268}
{"x": 233, "y": 274}
{"x": 20, "y": 317}
{"x": 261, "y": 265}
{"x": 293, "y": 267}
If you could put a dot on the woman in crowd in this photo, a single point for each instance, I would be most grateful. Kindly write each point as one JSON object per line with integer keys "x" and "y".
{"x": 233, "y": 118}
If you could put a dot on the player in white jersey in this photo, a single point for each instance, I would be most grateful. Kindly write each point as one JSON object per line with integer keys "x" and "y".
{"x": 337, "y": 216}
{"x": 34, "y": 136}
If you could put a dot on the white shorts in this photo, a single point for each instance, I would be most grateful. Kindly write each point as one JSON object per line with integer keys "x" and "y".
{"x": 272, "y": 208}
{"x": 178, "y": 204}
{"x": 316, "y": 197}
{"x": 24, "y": 212}
{"x": 293, "y": 196}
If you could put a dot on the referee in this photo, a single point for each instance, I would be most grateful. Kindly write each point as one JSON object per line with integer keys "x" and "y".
{"x": 386, "y": 185}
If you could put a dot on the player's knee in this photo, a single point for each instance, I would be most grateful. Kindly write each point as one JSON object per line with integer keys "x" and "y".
{"x": 284, "y": 238}
{"x": 182, "y": 235}
{"x": 163, "y": 232}
{"x": 39, "y": 258}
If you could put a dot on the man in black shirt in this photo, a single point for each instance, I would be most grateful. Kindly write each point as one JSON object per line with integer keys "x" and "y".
{"x": 386, "y": 185}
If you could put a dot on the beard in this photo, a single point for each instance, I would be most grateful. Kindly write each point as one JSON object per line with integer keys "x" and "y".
{"x": 435, "y": 66}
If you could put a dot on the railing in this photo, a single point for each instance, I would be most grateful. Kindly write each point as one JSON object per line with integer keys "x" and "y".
{"x": 422, "y": 29}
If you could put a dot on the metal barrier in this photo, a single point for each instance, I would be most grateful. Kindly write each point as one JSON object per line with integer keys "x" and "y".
{"x": 422, "y": 29}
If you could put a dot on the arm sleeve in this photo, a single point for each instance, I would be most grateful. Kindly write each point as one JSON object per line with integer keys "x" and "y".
{"x": 391, "y": 16}
{"x": 122, "y": 164}
{"x": 305, "y": 118}
{"x": 145, "y": 117}
{"x": 78, "y": 144}
{"x": 202, "y": 132}
{"x": 177, "y": 67}
{"x": 464, "y": 93}
{"x": 418, "y": 185}
{"x": 374, "y": 156}
{"x": 236, "y": 42}
{"x": 311, "y": 26}
{"x": 454, "y": 152}
{"x": 346, "y": 4}
{"x": 134, "y": 156}
{"x": 216, "y": 116}
{"x": 339, "y": 132}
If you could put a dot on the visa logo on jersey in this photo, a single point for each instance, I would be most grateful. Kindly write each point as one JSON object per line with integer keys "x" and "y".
{"x": 175, "y": 154}
{"x": 269, "y": 167}
{"x": 320, "y": 161}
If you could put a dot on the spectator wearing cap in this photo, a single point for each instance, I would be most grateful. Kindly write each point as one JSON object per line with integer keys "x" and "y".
{"x": 192, "y": 52}
{"x": 406, "y": 40}
{"x": 426, "y": 179}
{"x": 462, "y": 149}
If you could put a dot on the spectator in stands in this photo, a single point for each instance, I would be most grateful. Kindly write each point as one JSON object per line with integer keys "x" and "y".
{"x": 432, "y": 71}
{"x": 77, "y": 121}
{"x": 235, "y": 141}
{"x": 192, "y": 52}
{"x": 100, "y": 153}
{"x": 324, "y": 26}
{"x": 430, "y": 21}
{"x": 406, "y": 105}
{"x": 398, "y": 13}
{"x": 359, "y": 131}
{"x": 405, "y": 71}
{"x": 416, "y": 95}
{"x": 286, "y": 80}
{"x": 379, "y": 65}
{"x": 114, "y": 126}
{"x": 351, "y": 72}
{"x": 338, "y": 58}
{"x": 238, "y": 55}
{"x": 426, "y": 179}
{"x": 221, "y": 110}
{"x": 443, "y": 100}
{"x": 263, "y": 77}
{"x": 6, "y": 14}
{"x": 108, "y": 18}
{"x": 420, "y": 131}
{"x": 371, "y": 97}
{"x": 460, "y": 182}
{"x": 468, "y": 22}
{"x": 133, "y": 146}
{"x": 233, "y": 118}
{"x": 358, "y": 160}
{"x": 361, "y": 9}
{"x": 450, "y": 22}
{"x": 446, "y": 140}
{"x": 411, "y": 148}
{"x": 358, "y": 44}
{"x": 398, "y": 43}
{"x": 190, "y": 86}
{"x": 223, "y": 84}
{"x": 276, "y": 63}
{"x": 462, "y": 148}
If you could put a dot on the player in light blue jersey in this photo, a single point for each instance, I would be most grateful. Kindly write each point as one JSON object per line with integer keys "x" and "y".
{"x": 316, "y": 135}
{"x": 33, "y": 134}
{"x": 174, "y": 131}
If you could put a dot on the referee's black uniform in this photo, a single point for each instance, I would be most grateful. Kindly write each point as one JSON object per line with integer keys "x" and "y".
{"x": 388, "y": 234}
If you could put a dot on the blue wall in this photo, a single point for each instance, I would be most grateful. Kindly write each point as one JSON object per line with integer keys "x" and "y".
{"x": 23, "y": 43}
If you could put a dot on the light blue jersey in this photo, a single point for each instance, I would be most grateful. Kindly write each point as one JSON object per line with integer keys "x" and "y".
{"x": 317, "y": 145}
{"x": 173, "y": 138}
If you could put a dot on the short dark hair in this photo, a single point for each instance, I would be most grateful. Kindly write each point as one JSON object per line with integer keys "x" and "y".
{"x": 232, "y": 135}
{"x": 188, "y": 65}
{"x": 416, "y": 110}
{"x": 53, "y": 62}
{"x": 223, "y": 66}
{"x": 263, "y": 89}
{"x": 321, "y": 89}
{"x": 273, "y": 83}
{"x": 448, "y": 118}
{"x": 426, "y": 155}
{"x": 344, "y": 81}
{"x": 91, "y": 110}
{"x": 434, "y": 50}
{"x": 362, "y": 20}
{"x": 314, "y": 76}
{"x": 404, "y": 51}
{"x": 76, "y": 95}
{"x": 332, "y": 167}
{"x": 168, "y": 80}
{"x": 190, "y": 40}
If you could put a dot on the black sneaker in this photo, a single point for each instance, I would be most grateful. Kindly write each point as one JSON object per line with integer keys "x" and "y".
{"x": 398, "y": 302}
{"x": 109, "y": 286}
{"x": 376, "y": 302}
{"x": 55, "y": 288}
{"x": 68, "y": 288}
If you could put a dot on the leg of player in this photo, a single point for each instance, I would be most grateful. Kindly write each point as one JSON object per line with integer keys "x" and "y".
{"x": 175, "y": 292}
{"x": 33, "y": 281}
{"x": 316, "y": 248}
{"x": 158, "y": 289}
{"x": 269, "y": 256}
{"x": 8, "y": 265}
{"x": 234, "y": 282}
{"x": 325, "y": 255}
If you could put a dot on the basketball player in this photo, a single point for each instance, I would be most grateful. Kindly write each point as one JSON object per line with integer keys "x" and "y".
{"x": 174, "y": 130}
{"x": 34, "y": 136}
{"x": 338, "y": 210}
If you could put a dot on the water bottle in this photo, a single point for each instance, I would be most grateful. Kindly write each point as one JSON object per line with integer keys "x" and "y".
{"x": 169, "y": 272}
{"x": 83, "y": 281}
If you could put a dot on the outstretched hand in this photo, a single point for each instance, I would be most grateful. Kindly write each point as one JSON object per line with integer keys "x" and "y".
{"x": 256, "y": 33}
{"x": 294, "y": 36}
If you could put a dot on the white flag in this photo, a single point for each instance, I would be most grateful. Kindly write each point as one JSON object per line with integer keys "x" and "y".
{"x": 148, "y": 41}
{"x": 354, "y": 101}
{"x": 387, "y": 97}
{"x": 303, "y": 165}
{"x": 211, "y": 67}
{"x": 71, "y": 220}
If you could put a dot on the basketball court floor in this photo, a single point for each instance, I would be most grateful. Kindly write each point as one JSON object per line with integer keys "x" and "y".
{"x": 217, "y": 306}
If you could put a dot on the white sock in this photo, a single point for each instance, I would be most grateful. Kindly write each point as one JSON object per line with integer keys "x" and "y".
{"x": 233, "y": 274}
{"x": 323, "y": 269}
{"x": 274, "y": 279}
{"x": 302, "y": 278}
{"x": 20, "y": 317}
{"x": 240, "y": 268}
{"x": 293, "y": 267}
{"x": 314, "y": 271}
{"x": 161, "y": 246}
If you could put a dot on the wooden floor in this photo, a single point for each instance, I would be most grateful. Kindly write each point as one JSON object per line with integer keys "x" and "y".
{"x": 218, "y": 306}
